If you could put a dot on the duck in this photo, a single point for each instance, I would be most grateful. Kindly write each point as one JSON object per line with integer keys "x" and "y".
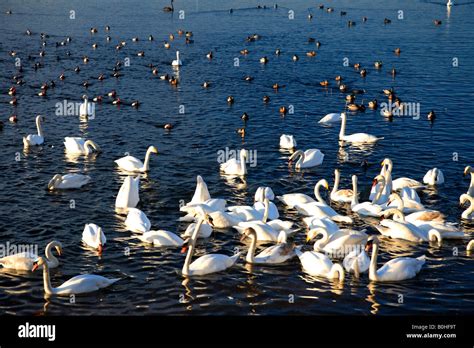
{"x": 287, "y": 142}
{"x": 80, "y": 284}
{"x": 306, "y": 159}
{"x": 366, "y": 208}
{"x": 397, "y": 51}
{"x": 133, "y": 164}
{"x": 264, "y": 60}
{"x": 234, "y": 166}
{"x": 24, "y": 261}
{"x": 378, "y": 64}
{"x": 94, "y": 237}
{"x": 206, "y": 264}
{"x": 266, "y": 99}
{"x": 230, "y": 99}
{"x": 320, "y": 208}
{"x": 324, "y": 83}
{"x": 311, "y": 54}
{"x": 356, "y": 138}
{"x": 317, "y": 264}
{"x": 277, "y": 52}
{"x": 283, "y": 110}
{"x": 275, "y": 254}
{"x": 373, "y": 104}
{"x": 395, "y": 270}
{"x": 245, "y": 117}
{"x": 68, "y": 181}
{"x": 137, "y": 221}
{"x": 363, "y": 73}
{"x": 431, "y": 115}
{"x": 295, "y": 58}
{"x": 128, "y": 196}
{"x": 35, "y": 139}
{"x": 169, "y": 8}
{"x": 341, "y": 196}
{"x": 244, "y": 52}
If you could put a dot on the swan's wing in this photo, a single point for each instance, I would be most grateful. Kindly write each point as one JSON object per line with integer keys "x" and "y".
{"x": 129, "y": 163}
{"x": 400, "y": 268}
{"x": 293, "y": 199}
{"x": 231, "y": 166}
{"x": 84, "y": 283}
{"x": 211, "y": 263}
{"x": 201, "y": 194}
{"x": 74, "y": 144}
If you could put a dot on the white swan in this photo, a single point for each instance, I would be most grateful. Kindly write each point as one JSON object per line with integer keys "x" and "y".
{"x": 264, "y": 192}
{"x": 265, "y": 232}
{"x": 287, "y": 142}
{"x": 177, "y": 61}
{"x": 405, "y": 205}
{"x": 470, "y": 190}
{"x": 409, "y": 193}
{"x": 35, "y": 139}
{"x": 307, "y": 159}
{"x": 137, "y": 221}
{"x": 201, "y": 194}
{"x": 133, "y": 164}
{"x": 320, "y": 208}
{"x": 449, "y": 3}
{"x": 317, "y": 264}
{"x": 68, "y": 181}
{"x": 94, "y": 237}
{"x": 467, "y": 214}
{"x": 128, "y": 196}
{"x": 80, "y": 284}
{"x": 357, "y": 261}
{"x": 357, "y": 138}
{"x": 331, "y": 118}
{"x": 367, "y": 208}
{"x": 434, "y": 177}
{"x": 24, "y": 261}
{"x": 234, "y": 166}
{"x": 325, "y": 222}
{"x": 400, "y": 183}
{"x": 206, "y": 264}
{"x": 446, "y": 230}
{"x": 275, "y": 254}
{"x": 342, "y": 196}
{"x": 161, "y": 238}
{"x": 77, "y": 145}
{"x": 470, "y": 246}
{"x": 206, "y": 230}
{"x": 338, "y": 244}
{"x": 386, "y": 190}
{"x": 425, "y": 215}
{"x": 400, "y": 268}
{"x": 86, "y": 109}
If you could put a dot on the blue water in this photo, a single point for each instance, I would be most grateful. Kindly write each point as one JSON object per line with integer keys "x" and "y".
{"x": 153, "y": 284}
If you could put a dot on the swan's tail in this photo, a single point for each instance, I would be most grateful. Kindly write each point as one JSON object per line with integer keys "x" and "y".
{"x": 341, "y": 218}
{"x": 422, "y": 259}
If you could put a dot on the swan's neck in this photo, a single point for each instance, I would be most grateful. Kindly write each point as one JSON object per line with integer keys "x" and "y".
{"x": 379, "y": 192}
{"x": 91, "y": 144}
{"x": 48, "y": 289}
{"x": 355, "y": 198}
{"x": 177, "y": 52}
{"x": 253, "y": 245}
{"x": 400, "y": 204}
{"x": 469, "y": 210}
{"x": 98, "y": 236}
{"x": 373, "y": 262}
{"x": 38, "y": 126}
{"x": 317, "y": 194}
{"x": 243, "y": 165}
{"x": 343, "y": 128}
{"x": 435, "y": 236}
{"x": 472, "y": 180}
{"x": 300, "y": 161}
{"x": 266, "y": 204}
{"x": 336, "y": 181}
{"x": 146, "y": 164}
{"x": 192, "y": 242}
{"x": 388, "y": 178}
{"x": 49, "y": 254}
{"x": 320, "y": 243}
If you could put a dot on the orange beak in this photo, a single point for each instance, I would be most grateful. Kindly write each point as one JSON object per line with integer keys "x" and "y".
{"x": 35, "y": 266}
{"x": 100, "y": 249}
{"x": 184, "y": 249}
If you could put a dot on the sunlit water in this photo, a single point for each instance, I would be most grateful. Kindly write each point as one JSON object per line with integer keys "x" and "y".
{"x": 152, "y": 281}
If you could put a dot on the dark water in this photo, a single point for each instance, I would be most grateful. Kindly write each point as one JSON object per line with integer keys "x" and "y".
{"x": 153, "y": 283}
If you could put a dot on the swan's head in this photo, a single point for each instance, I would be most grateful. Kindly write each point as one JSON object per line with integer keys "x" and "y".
{"x": 395, "y": 212}
{"x": 378, "y": 179}
{"x": 468, "y": 170}
{"x": 38, "y": 263}
{"x": 53, "y": 182}
{"x": 393, "y": 197}
{"x": 247, "y": 233}
{"x": 153, "y": 149}
{"x": 58, "y": 246}
{"x": 324, "y": 183}
{"x": 312, "y": 234}
{"x": 386, "y": 161}
{"x": 370, "y": 242}
{"x": 295, "y": 155}
{"x": 464, "y": 198}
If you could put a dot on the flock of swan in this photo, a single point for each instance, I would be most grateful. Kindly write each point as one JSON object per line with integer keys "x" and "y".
{"x": 394, "y": 205}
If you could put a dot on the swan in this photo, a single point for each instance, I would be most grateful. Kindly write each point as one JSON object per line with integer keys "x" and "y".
{"x": 94, "y": 237}
{"x": 357, "y": 138}
{"x": 177, "y": 61}
{"x": 367, "y": 208}
{"x": 206, "y": 230}
{"x": 128, "y": 196}
{"x": 76, "y": 145}
{"x": 201, "y": 194}
{"x": 275, "y": 254}
{"x": 307, "y": 159}
{"x": 68, "y": 181}
{"x": 133, "y": 164}
{"x": 161, "y": 238}
{"x": 209, "y": 206}
{"x": 331, "y": 118}
{"x": 446, "y": 230}
{"x": 425, "y": 215}
{"x": 409, "y": 193}
{"x": 24, "y": 261}
{"x": 386, "y": 172}
{"x": 137, "y": 221}
{"x": 449, "y": 3}
{"x": 470, "y": 190}
{"x": 234, "y": 166}
{"x": 320, "y": 208}
{"x": 35, "y": 139}
{"x": 400, "y": 183}
{"x": 206, "y": 264}
{"x": 405, "y": 205}
{"x": 356, "y": 261}
{"x": 317, "y": 264}
{"x": 287, "y": 142}
{"x": 337, "y": 244}
{"x": 398, "y": 228}
{"x": 434, "y": 177}
{"x": 470, "y": 246}
{"x": 467, "y": 214}
{"x": 265, "y": 232}
{"x": 325, "y": 222}
{"x": 342, "y": 196}
{"x": 86, "y": 109}
{"x": 80, "y": 284}
{"x": 264, "y": 192}
{"x": 400, "y": 268}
